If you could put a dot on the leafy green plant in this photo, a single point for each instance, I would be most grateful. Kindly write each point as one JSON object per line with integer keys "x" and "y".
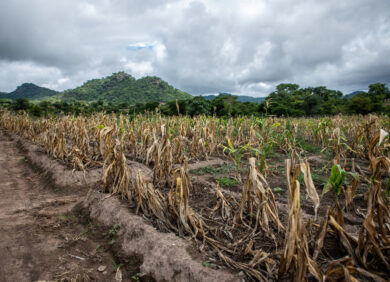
{"x": 207, "y": 263}
{"x": 203, "y": 170}
{"x": 336, "y": 180}
{"x": 236, "y": 154}
{"x": 136, "y": 276}
{"x": 63, "y": 216}
{"x": 226, "y": 181}
{"x": 113, "y": 230}
{"x": 116, "y": 265}
{"x": 278, "y": 190}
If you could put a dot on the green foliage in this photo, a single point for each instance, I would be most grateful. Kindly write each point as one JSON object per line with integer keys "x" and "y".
{"x": 29, "y": 91}
{"x": 236, "y": 154}
{"x": 122, "y": 88}
{"x": 122, "y": 93}
{"x": 290, "y": 100}
{"x": 336, "y": 179}
{"x": 277, "y": 190}
{"x": 387, "y": 187}
{"x": 115, "y": 265}
{"x": 113, "y": 230}
{"x": 361, "y": 104}
{"x": 227, "y": 181}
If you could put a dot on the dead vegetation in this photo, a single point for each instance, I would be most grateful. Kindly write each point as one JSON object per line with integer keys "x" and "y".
{"x": 247, "y": 232}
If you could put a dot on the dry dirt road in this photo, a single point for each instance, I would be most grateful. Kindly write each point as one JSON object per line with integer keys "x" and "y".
{"x": 39, "y": 239}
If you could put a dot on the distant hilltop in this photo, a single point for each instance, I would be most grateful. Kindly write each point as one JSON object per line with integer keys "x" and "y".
{"x": 118, "y": 88}
{"x": 240, "y": 98}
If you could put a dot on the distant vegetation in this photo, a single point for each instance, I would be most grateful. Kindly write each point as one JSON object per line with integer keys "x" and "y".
{"x": 122, "y": 93}
{"x": 123, "y": 88}
{"x": 240, "y": 98}
{"x": 29, "y": 91}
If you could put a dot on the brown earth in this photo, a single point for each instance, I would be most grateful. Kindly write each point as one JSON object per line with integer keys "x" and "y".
{"x": 40, "y": 239}
{"x": 56, "y": 227}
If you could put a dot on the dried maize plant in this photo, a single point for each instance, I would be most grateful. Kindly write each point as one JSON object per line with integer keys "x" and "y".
{"x": 178, "y": 149}
{"x": 258, "y": 202}
{"x": 130, "y": 142}
{"x": 145, "y": 142}
{"x": 337, "y": 142}
{"x": 210, "y": 141}
{"x": 55, "y": 144}
{"x": 224, "y": 206}
{"x": 184, "y": 217}
{"x": 345, "y": 270}
{"x": 116, "y": 173}
{"x": 295, "y": 258}
{"x": 197, "y": 145}
{"x": 106, "y": 141}
{"x": 373, "y": 237}
{"x": 310, "y": 188}
{"x": 184, "y": 173}
{"x": 149, "y": 200}
{"x": 319, "y": 130}
{"x": 351, "y": 189}
{"x": 161, "y": 154}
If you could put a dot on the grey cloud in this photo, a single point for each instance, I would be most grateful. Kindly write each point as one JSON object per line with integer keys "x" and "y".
{"x": 200, "y": 46}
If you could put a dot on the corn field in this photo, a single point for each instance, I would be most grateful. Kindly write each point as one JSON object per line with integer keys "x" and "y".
{"x": 290, "y": 217}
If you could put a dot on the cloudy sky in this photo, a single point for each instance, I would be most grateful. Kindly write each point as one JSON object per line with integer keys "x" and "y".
{"x": 199, "y": 46}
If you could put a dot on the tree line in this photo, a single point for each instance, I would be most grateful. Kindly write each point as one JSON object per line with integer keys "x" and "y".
{"x": 287, "y": 100}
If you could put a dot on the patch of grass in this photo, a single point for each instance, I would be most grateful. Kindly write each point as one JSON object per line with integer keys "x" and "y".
{"x": 113, "y": 230}
{"x": 309, "y": 147}
{"x": 203, "y": 170}
{"x": 278, "y": 190}
{"x": 227, "y": 181}
{"x": 22, "y": 160}
{"x": 207, "y": 263}
{"x": 112, "y": 241}
{"x": 63, "y": 216}
{"x": 215, "y": 170}
{"x": 116, "y": 265}
{"x": 317, "y": 177}
{"x": 136, "y": 276}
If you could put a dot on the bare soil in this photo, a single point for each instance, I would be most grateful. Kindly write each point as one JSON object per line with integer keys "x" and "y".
{"x": 41, "y": 239}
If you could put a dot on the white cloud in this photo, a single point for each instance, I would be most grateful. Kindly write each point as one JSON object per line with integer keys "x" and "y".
{"x": 139, "y": 69}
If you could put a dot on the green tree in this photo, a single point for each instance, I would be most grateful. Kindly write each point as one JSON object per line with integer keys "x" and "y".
{"x": 378, "y": 92}
{"x": 360, "y": 104}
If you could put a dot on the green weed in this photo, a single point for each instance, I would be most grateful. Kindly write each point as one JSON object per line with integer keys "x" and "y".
{"x": 227, "y": 181}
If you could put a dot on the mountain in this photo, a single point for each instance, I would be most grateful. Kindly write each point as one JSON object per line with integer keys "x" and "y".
{"x": 350, "y": 95}
{"x": 30, "y": 91}
{"x": 240, "y": 98}
{"x": 123, "y": 88}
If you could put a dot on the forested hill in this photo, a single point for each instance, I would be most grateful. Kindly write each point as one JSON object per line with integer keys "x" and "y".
{"x": 123, "y": 88}
{"x": 30, "y": 91}
{"x": 240, "y": 98}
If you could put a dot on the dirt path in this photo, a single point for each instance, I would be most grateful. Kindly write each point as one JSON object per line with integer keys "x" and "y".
{"x": 40, "y": 239}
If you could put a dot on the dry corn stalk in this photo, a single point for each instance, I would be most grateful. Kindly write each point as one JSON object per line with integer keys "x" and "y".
{"x": 185, "y": 218}
{"x": 310, "y": 188}
{"x": 343, "y": 270}
{"x": 116, "y": 172}
{"x": 296, "y": 258}
{"x": 258, "y": 201}
{"x": 223, "y": 205}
